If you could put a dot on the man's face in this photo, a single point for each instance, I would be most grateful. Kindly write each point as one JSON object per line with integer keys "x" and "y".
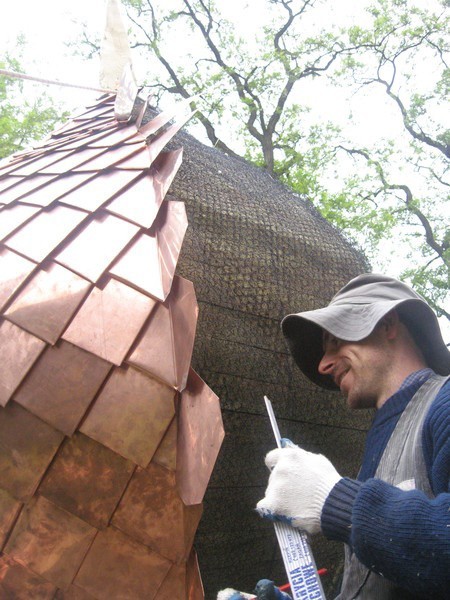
{"x": 359, "y": 369}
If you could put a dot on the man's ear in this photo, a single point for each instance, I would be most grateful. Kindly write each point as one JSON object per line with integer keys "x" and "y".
{"x": 390, "y": 324}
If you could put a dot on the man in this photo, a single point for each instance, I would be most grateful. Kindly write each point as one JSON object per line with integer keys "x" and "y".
{"x": 379, "y": 343}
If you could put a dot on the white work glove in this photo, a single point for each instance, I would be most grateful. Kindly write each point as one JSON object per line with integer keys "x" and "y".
{"x": 299, "y": 484}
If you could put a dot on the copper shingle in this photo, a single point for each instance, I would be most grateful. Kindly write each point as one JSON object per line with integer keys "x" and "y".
{"x": 14, "y": 576}
{"x": 141, "y": 202}
{"x": 23, "y": 189}
{"x": 87, "y": 480}
{"x": 73, "y": 592}
{"x": 112, "y": 157}
{"x": 109, "y": 321}
{"x": 50, "y": 541}
{"x": 45, "y": 231}
{"x": 11, "y": 217}
{"x": 14, "y": 269}
{"x": 45, "y": 195}
{"x": 165, "y": 348}
{"x": 117, "y": 566}
{"x": 166, "y": 454}
{"x": 138, "y": 160}
{"x": 9, "y": 508}
{"x": 18, "y": 351}
{"x": 152, "y": 512}
{"x": 47, "y": 303}
{"x": 136, "y": 432}
{"x": 62, "y": 384}
{"x": 27, "y": 448}
{"x": 99, "y": 189}
{"x": 96, "y": 246}
{"x": 69, "y": 161}
{"x": 7, "y": 182}
{"x": 199, "y": 439}
{"x": 138, "y": 203}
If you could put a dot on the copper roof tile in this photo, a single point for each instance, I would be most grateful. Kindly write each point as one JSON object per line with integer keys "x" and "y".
{"x": 18, "y": 582}
{"x": 171, "y": 226}
{"x": 34, "y": 165}
{"x": 90, "y": 137}
{"x": 138, "y": 160}
{"x": 139, "y": 266}
{"x": 152, "y": 512}
{"x": 12, "y": 217}
{"x": 194, "y": 586}
{"x": 174, "y": 585}
{"x": 45, "y": 231}
{"x": 14, "y": 269}
{"x": 7, "y": 182}
{"x": 99, "y": 189}
{"x": 82, "y": 128}
{"x": 136, "y": 432}
{"x": 161, "y": 139}
{"x": 44, "y": 196}
{"x": 70, "y": 161}
{"x": 176, "y": 112}
{"x": 166, "y": 454}
{"x": 50, "y": 541}
{"x": 97, "y": 245}
{"x": 123, "y": 135}
{"x": 200, "y": 435}
{"x": 87, "y": 480}
{"x": 92, "y": 113}
{"x": 25, "y": 188}
{"x": 109, "y": 321}
{"x": 149, "y": 263}
{"x": 48, "y": 301}
{"x": 112, "y": 157}
{"x": 28, "y": 446}
{"x": 73, "y": 592}
{"x": 164, "y": 169}
{"x": 119, "y": 567}
{"x": 18, "y": 351}
{"x": 165, "y": 347}
{"x": 7, "y": 162}
{"x": 9, "y": 508}
{"x": 183, "y": 581}
{"x": 61, "y": 385}
{"x": 138, "y": 203}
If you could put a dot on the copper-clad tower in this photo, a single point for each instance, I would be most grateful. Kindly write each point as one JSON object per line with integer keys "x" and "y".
{"x": 108, "y": 436}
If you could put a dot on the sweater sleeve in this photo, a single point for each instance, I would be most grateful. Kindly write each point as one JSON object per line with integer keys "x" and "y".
{"x": 402, "y": 535}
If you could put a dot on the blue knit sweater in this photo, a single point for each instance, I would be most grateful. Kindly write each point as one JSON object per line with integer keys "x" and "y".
{"x": 403, "y": 535}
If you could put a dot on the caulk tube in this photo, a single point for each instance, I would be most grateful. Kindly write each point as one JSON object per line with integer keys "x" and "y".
{"x": 294, "y": 545}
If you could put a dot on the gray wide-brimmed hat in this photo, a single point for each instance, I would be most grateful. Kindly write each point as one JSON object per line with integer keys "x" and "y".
{"x": 353, "y": 314}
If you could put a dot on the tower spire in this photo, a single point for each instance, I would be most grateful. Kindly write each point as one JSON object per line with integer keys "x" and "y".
{"x": 115, "y": 53}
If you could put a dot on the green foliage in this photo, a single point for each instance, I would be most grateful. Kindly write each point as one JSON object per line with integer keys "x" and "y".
{"x": 250, "y": 104}
{"x": 22, "y": 120}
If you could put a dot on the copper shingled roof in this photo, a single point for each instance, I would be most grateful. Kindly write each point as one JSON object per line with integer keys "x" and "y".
{"x": 108, "y": 435}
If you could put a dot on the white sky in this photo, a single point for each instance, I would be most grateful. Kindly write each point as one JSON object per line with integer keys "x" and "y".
{"x": 48, "y": 24}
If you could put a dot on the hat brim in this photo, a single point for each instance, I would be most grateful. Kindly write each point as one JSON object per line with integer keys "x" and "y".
{"x": 355, "y": 321}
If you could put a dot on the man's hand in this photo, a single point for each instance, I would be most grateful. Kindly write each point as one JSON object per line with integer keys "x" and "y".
{"x": 299, "y": 484}
{"x": 264, "y": 590}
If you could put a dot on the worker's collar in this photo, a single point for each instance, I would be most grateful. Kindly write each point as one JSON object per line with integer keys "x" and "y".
{"x": 416, "y": 378}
